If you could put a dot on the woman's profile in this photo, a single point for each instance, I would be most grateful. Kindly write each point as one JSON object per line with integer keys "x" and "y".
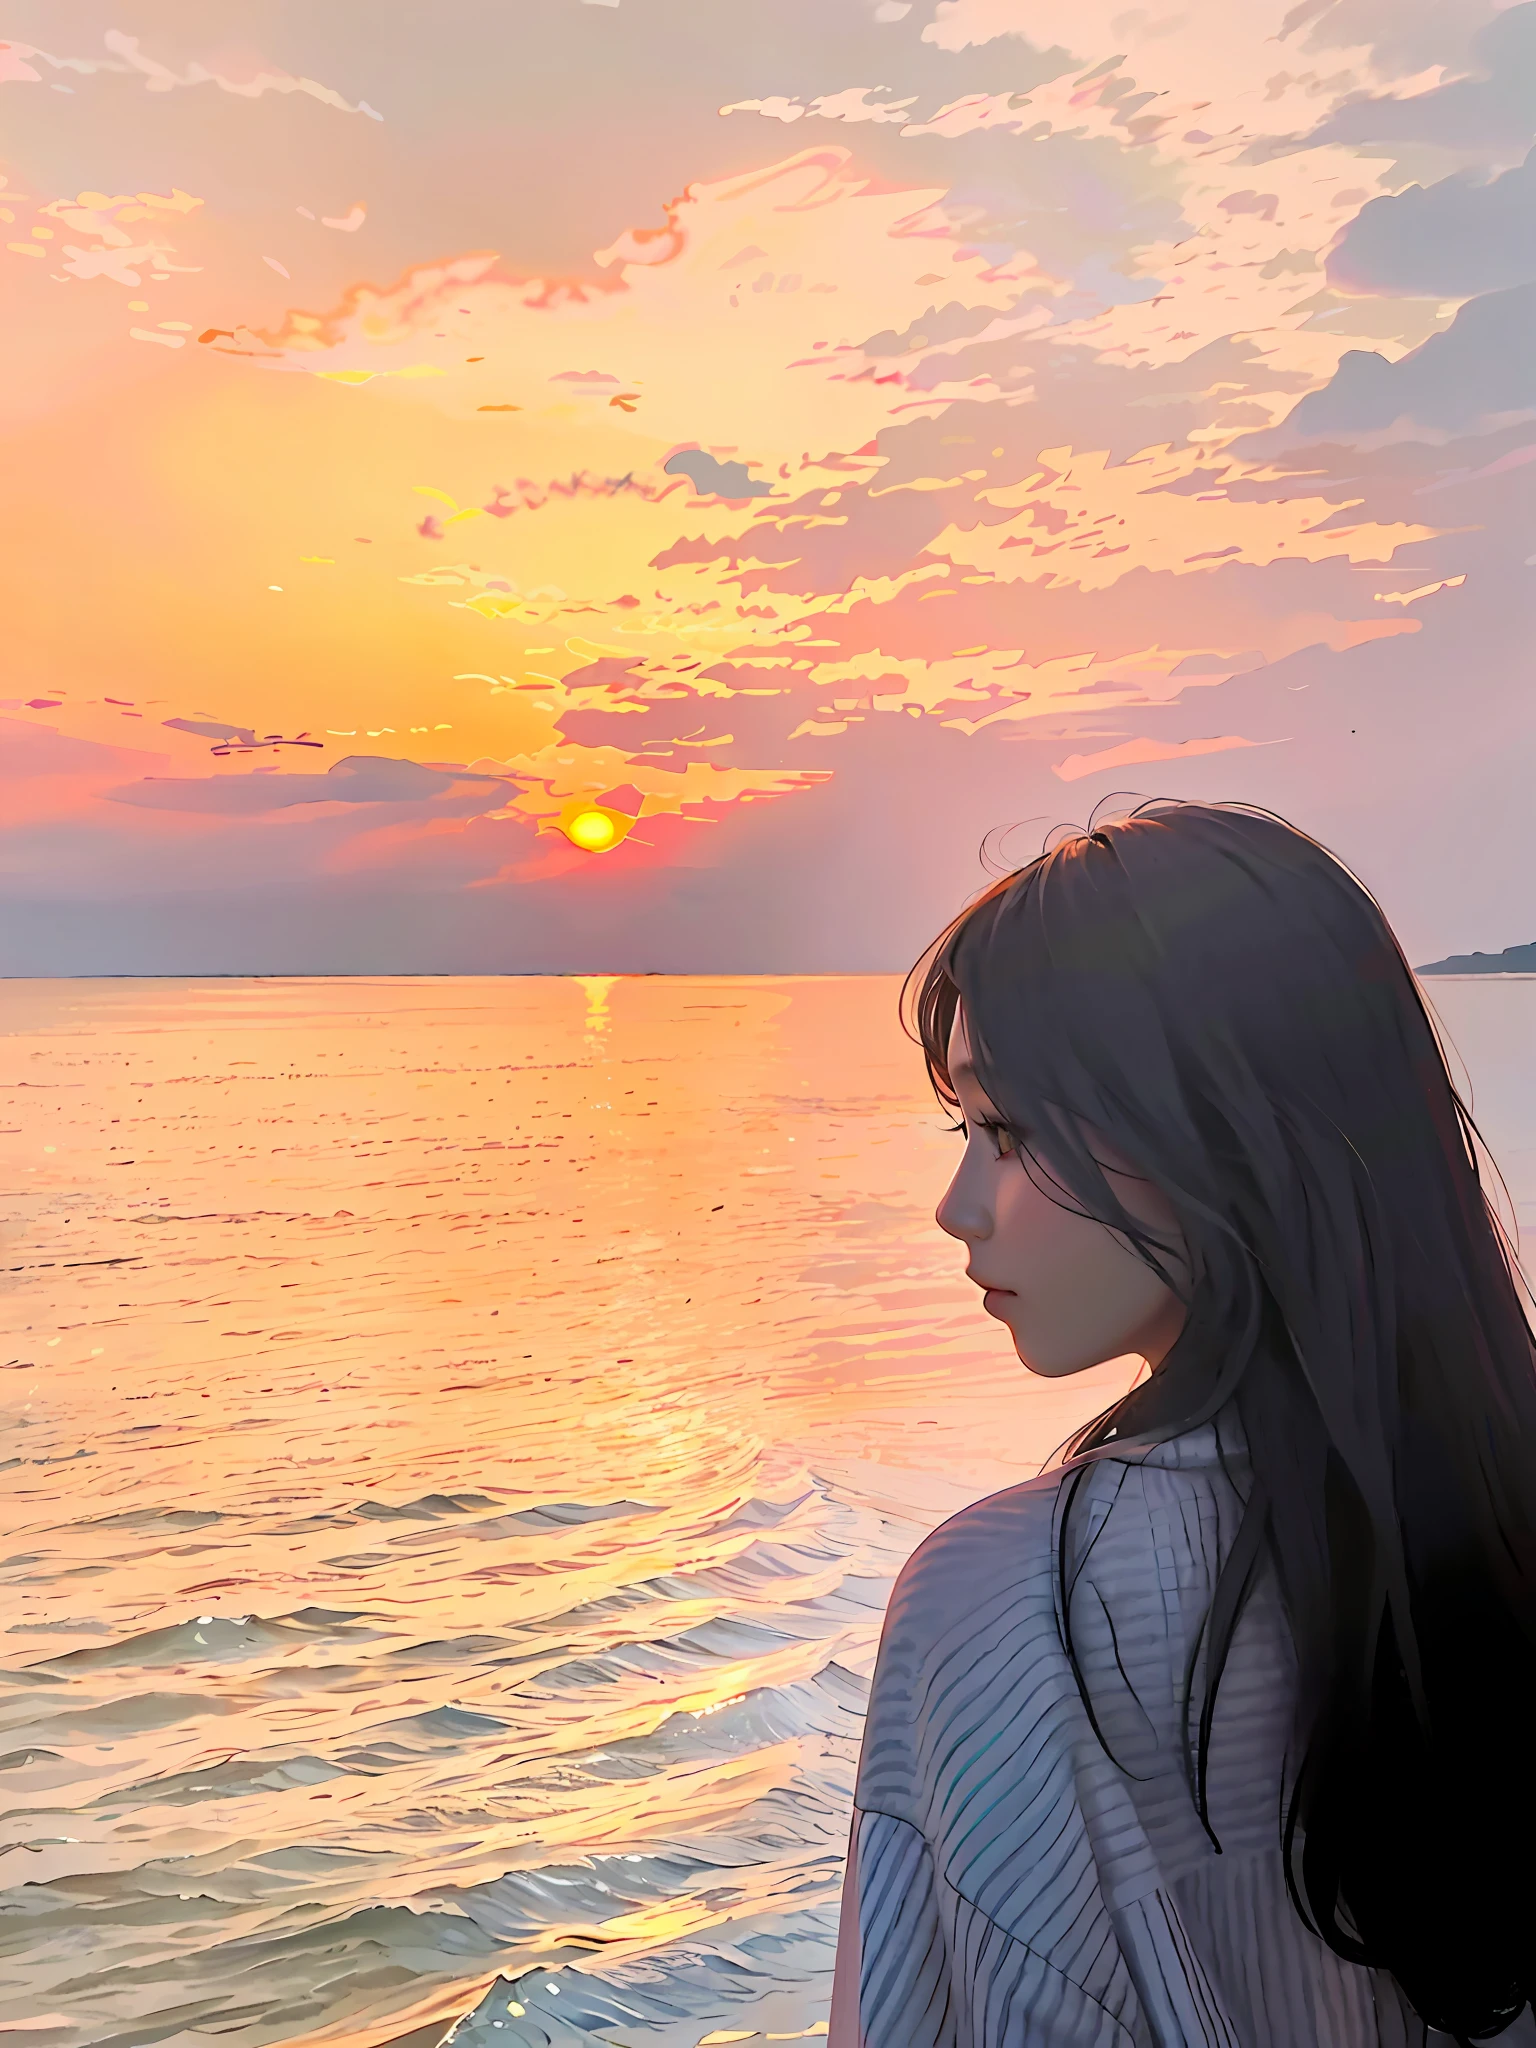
{"x": 1220, "y": 1732}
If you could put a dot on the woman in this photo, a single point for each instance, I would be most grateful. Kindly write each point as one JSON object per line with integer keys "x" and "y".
{"x": 1221, "y": 1733}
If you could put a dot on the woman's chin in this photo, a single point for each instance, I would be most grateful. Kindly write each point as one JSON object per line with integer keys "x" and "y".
{"x": 1047, "y": 1369}
{"x": 1045, "y": 1366}
{"x": 1041, "y": 1361}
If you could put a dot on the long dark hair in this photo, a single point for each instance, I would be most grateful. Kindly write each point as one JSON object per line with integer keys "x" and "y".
{"x": 1216, "y": 992}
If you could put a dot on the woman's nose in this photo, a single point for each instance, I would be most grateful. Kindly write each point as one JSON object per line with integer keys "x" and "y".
{"x": 961, "y": 1214}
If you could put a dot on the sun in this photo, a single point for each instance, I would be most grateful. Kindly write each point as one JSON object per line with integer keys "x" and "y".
{"x": 593, "y": 830}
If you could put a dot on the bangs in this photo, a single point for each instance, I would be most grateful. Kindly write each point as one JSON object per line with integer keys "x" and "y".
{"x": 928, "y": 1015}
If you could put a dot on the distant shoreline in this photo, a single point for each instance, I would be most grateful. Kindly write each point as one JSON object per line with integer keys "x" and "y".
{"x": 1485, "y": 966}
{"x": 1515, "y": 963}
{"x": 1513, "y": 960}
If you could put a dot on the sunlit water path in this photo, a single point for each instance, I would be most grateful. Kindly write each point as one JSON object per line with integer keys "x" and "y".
{"x": 459, "y": 1436}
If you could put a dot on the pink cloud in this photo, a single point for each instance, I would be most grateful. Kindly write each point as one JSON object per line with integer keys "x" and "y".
{"x": 1132, "y": 751}
{"x": 14, "y": 65}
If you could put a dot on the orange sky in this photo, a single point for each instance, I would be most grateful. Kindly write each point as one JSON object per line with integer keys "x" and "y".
{"x": 416, "y": 440}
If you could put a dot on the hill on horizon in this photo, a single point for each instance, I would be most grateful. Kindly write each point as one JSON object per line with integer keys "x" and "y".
{"x": 1513, "y": 960}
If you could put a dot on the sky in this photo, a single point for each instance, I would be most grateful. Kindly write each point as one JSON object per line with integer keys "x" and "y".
{"x": 702, "y": 485}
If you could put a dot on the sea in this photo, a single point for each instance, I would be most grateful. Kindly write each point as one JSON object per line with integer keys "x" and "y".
{"x": 444, "y": 1552}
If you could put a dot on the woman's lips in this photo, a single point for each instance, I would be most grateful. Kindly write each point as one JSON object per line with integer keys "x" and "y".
{"x": 993, "y": 1299}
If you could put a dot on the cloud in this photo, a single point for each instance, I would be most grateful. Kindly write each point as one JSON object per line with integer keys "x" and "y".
{"x": 1488, "y": 115}
{"x": 1401, "y": 35}
{"x": 212, "y": 729}
{"x": 1481, "y": 370}
{"x": 359, "y": 779}
{"x": 829, "y": 230}
{"x": 1145, "y": 72}
{"x": 49, "y": 776}
{"x": 110, "y": 235}
{"x": 238, "y": 739}
{"x": 249, "y": 78}
{"x": 1456, "y": 238}
{"x": 725, "y": 479}
{"x": 30, "y": 751}
{"x": 1076, "y": 766}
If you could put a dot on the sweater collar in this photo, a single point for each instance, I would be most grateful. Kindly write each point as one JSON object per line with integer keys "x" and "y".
{"x": 1217, "y": 1443}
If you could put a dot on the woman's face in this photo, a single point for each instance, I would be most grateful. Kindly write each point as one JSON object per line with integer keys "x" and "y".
{"x": 1071, "y": 1291}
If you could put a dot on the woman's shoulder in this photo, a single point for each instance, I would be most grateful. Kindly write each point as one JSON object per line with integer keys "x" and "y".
{"x": 990, "y": 1573}
{"x": 1026, "y": 1506}
{"x": 972, "y": 1616}
{"x": 997, "y": 1550}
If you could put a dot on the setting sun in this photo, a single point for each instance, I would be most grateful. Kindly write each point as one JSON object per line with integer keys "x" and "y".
{"x": 594, "y": 830}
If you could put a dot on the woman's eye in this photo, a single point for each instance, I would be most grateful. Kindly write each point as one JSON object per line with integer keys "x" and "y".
{"x": 1002, "y": 1137}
